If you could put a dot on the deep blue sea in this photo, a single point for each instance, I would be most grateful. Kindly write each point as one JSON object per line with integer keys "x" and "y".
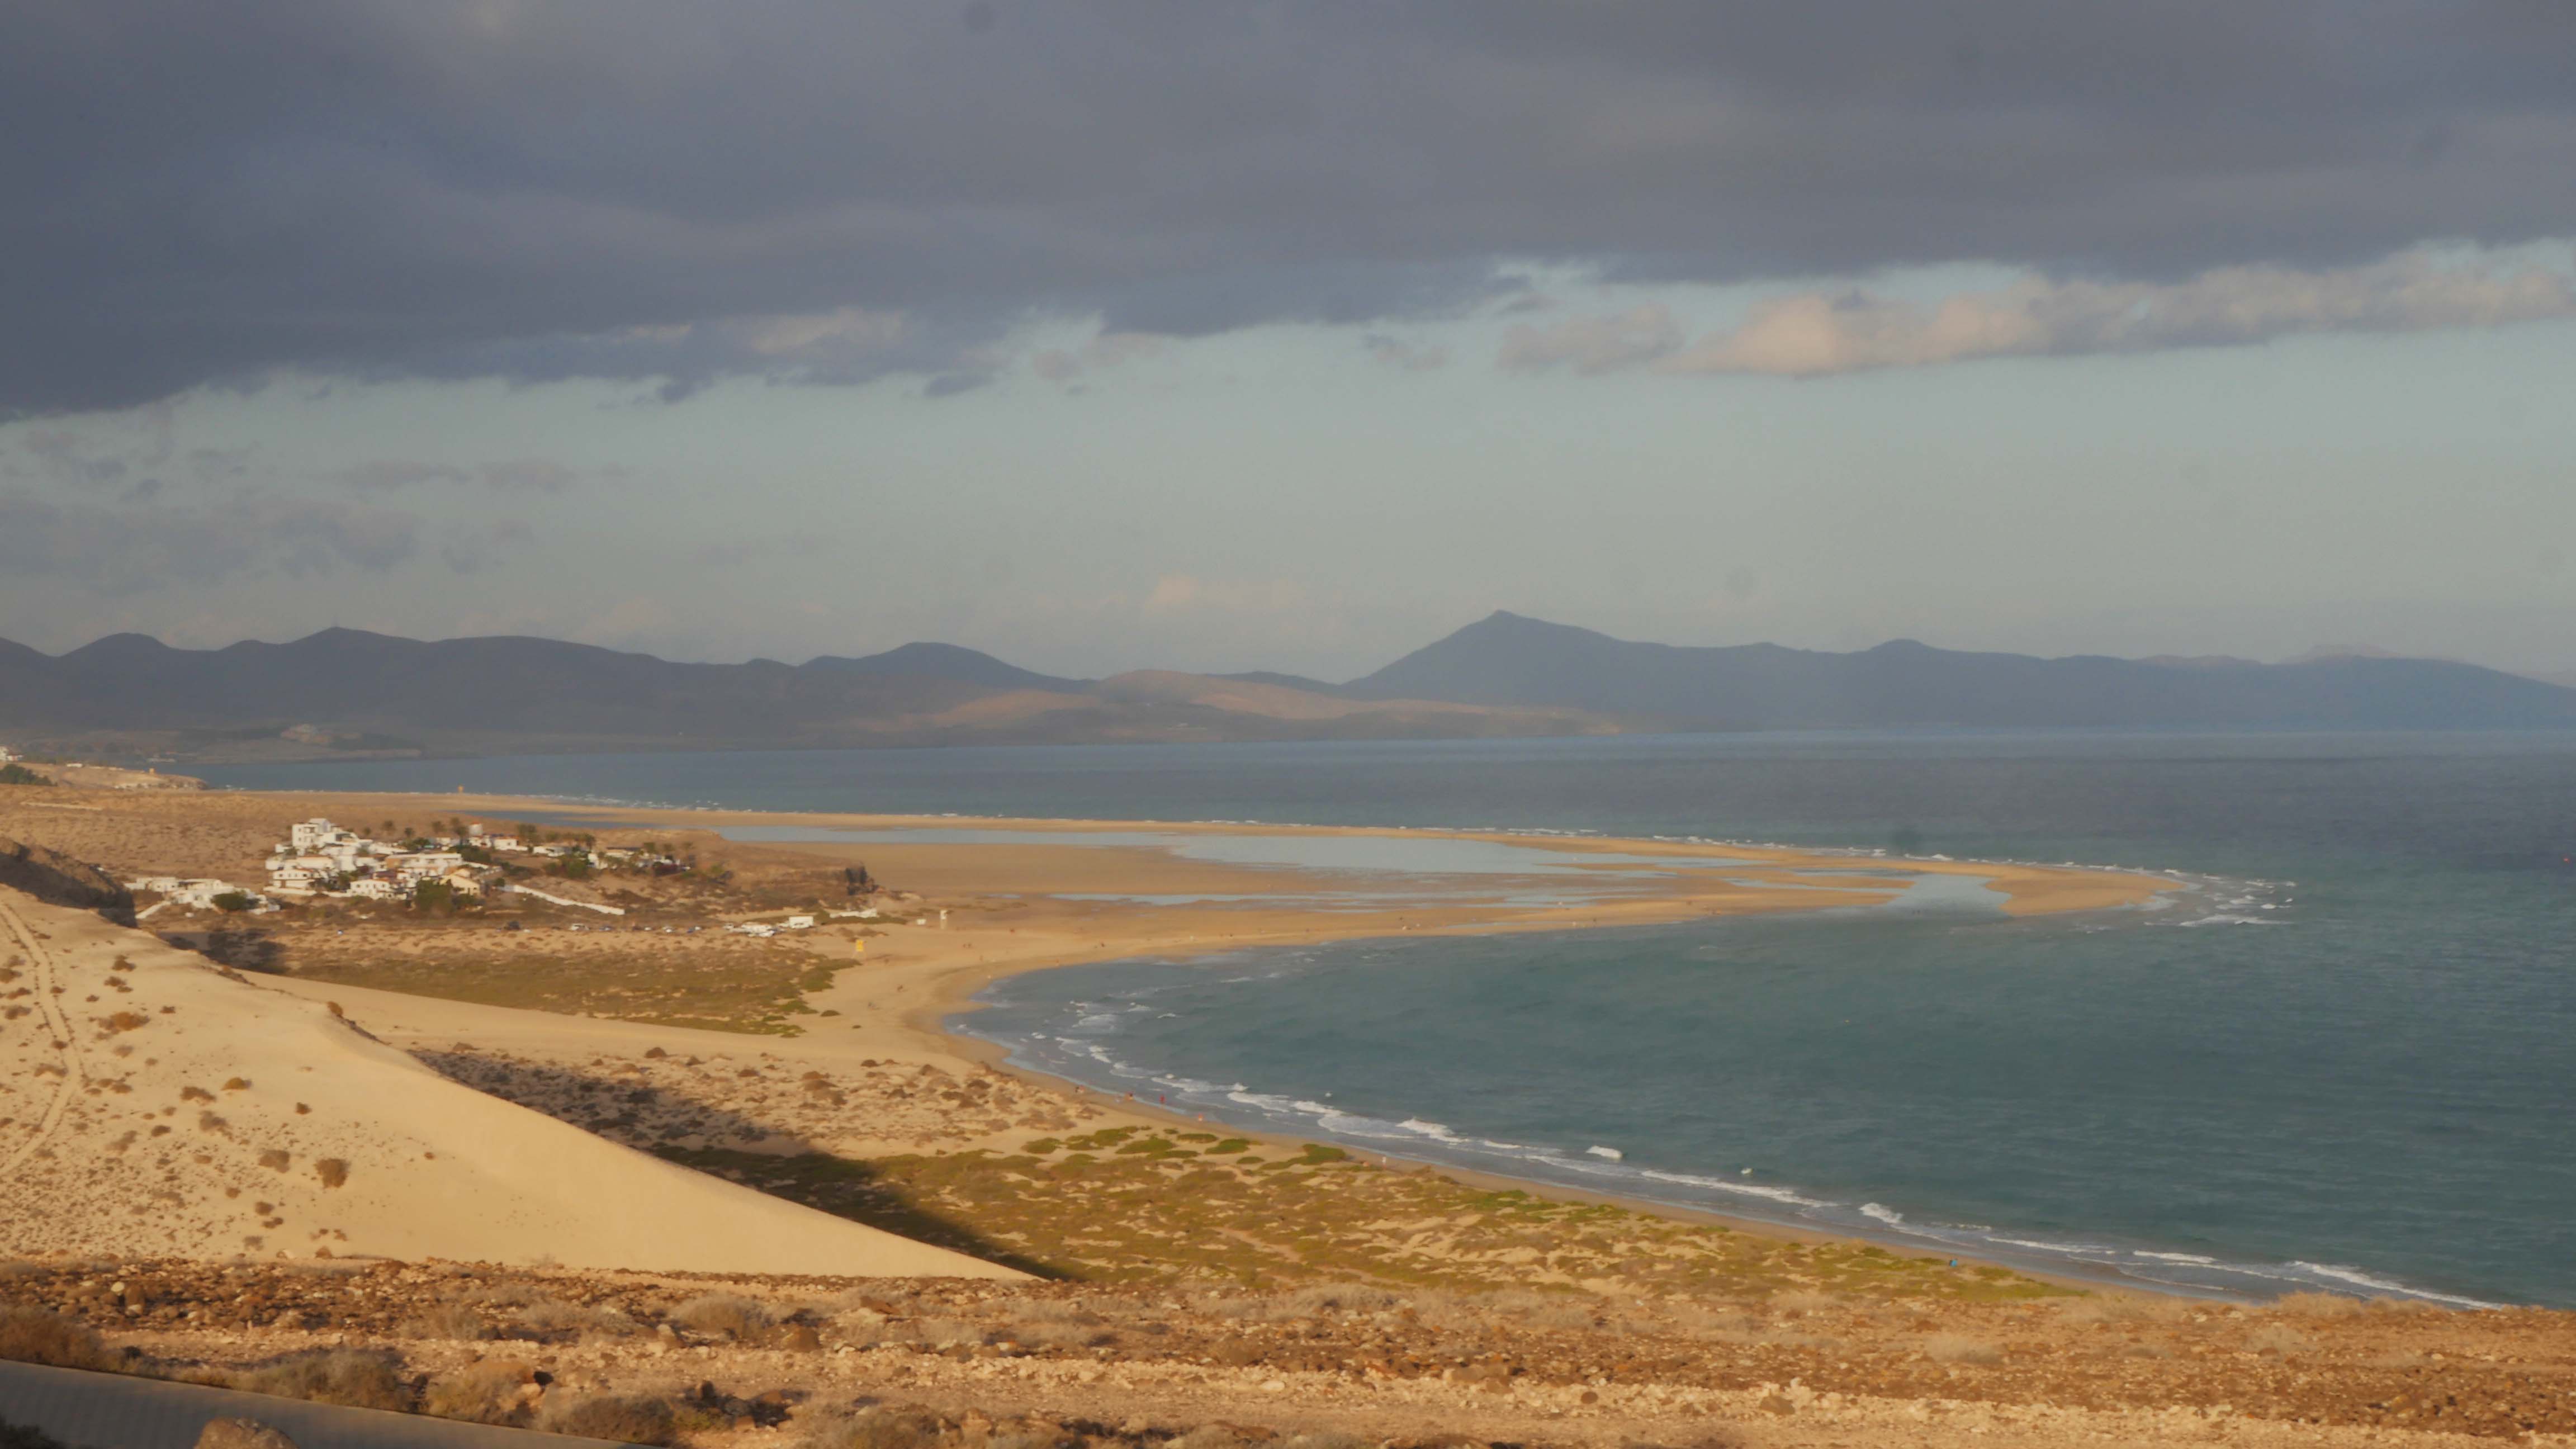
{"x": 2345, "y": 1058}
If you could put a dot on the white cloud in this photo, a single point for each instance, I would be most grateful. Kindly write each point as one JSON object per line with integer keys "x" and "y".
{"x": 1591, "y": 345}
{"x": 804, "y": 335}
{"x": 1813, "y": 334}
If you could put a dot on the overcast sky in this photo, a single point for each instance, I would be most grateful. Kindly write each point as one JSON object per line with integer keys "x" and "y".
{"x": 1234, "y": 334}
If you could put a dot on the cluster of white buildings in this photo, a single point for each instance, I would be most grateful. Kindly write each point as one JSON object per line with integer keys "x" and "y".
{"x": 194, "y": 894}
{"x": 320, "y": 858}
{"x": 8, "y": 756}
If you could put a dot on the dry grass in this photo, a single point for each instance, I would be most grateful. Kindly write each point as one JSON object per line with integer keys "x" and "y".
{"x": 333, "y": 1171}
{"x": 1062, "y": 1335}
{"x": 34, "y": 1335}
{"x": 2278, "y": 1338}
{"x": 1803, "y": 1300}
{"x": 2318, "y": 1305}
{"x": 1960, "y": 1348}
{"x": 2126, "y": 1308}
{"x": 344, "y": 1376}
{"x": 447, "y": 1320}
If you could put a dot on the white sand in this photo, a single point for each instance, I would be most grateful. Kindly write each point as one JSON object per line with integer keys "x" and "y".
{"x": 101, "y": 1153}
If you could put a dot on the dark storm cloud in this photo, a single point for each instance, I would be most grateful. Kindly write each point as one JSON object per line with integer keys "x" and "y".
{"x": 661, "y": 190}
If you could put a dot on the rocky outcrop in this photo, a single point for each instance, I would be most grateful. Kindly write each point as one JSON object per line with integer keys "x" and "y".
{"x": 57, "y": 879}
{"x": 242, "y": 1434}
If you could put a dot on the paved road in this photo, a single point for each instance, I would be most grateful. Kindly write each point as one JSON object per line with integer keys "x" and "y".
{"x": 112, "y": 1411}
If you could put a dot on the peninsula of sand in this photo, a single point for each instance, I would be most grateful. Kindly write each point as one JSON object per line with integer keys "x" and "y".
{"x": 222, "y": 1084}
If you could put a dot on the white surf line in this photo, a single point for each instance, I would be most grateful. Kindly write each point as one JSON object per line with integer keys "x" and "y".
{"x": 65, "y": 1043}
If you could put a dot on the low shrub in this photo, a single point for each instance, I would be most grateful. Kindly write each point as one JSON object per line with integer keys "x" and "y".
{"x": 446, "y": 1320}
{"x": 349, "y": 1377}
{"x": 1337, "y": 1298}
{"x": 950, "y": 1332}
{"x": 879, "y": 1428}
{"x": 611, "y": 1416}
{"x": 490, "y": 1392}
{"x": 1061, "y": 1335}
{"x": 724, "y": 1313}
{"x": 35, "y": 1335}
{"x": 553, "y": 1315}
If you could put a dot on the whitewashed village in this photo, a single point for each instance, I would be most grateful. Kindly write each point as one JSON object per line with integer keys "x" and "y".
{"x": 320, "y": 859}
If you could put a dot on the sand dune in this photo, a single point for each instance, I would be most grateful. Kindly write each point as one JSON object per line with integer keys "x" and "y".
{"x": 150, "y": 1104}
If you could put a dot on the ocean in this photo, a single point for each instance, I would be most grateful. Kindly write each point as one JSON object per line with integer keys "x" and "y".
{"x": 2345, "y": 1058}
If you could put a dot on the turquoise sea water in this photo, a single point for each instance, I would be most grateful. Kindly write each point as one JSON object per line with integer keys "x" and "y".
{"x": 2370, "y": 1084}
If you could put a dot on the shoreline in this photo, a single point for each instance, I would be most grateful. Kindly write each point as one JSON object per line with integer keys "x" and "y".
{"x": 939, "y": 973}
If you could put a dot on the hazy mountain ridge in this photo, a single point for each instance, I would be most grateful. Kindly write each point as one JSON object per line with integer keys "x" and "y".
{"x": 1506, "y": 659}
{"x": 345, "y": 691}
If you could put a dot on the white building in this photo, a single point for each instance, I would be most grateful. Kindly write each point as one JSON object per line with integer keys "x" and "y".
{"x": 309, "y": 837}
{"x": 300, "y": 874}
{"x": 412, "y": 866}
{"x": 193, "y": 894}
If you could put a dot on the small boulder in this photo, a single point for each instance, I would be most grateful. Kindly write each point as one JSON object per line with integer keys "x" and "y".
{"x": 241, "y": 1434}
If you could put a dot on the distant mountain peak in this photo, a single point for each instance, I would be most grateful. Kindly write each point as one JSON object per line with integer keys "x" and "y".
{"x": 928, "y": 659}
{"x": 2323, "y": 652}
{"x": 1507, "y": 659}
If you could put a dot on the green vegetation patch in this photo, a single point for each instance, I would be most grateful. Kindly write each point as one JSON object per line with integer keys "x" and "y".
{"x": 1165, "y": 1216}
{"x": 744, "y": 990}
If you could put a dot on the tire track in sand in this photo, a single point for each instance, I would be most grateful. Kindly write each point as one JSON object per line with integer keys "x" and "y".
{"x": 66, "y": 1045}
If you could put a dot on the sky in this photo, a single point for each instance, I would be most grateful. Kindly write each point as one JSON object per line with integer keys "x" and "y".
{"x": 1233, "y": 334}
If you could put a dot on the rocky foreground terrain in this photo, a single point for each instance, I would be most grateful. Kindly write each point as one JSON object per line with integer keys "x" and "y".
{"x": 735, "y": 1360}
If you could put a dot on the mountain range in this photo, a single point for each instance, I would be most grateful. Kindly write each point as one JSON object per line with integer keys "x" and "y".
{"x": 342, "y": 693}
